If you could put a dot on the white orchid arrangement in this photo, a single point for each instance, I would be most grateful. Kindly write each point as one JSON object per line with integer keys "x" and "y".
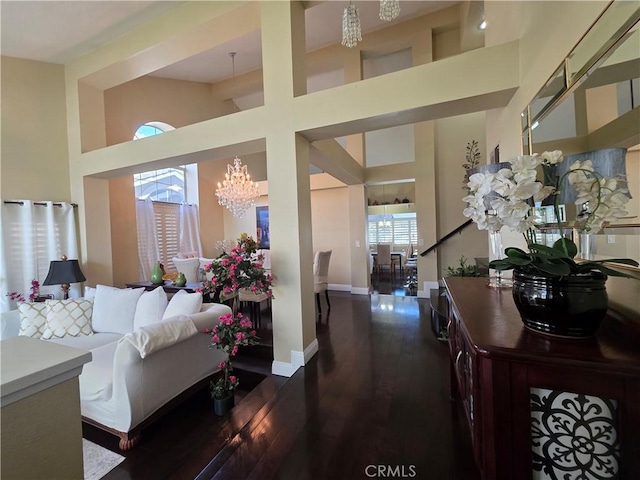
{"x": 511, "y": 192}
{"x": 506, "y": 198}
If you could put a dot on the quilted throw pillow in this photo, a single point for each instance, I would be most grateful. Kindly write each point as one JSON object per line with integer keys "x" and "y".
{"x": 68, "y": 318}
{"x": 33, "y": 319}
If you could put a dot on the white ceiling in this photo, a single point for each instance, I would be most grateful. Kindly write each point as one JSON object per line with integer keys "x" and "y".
{"x": 61, "y": 31}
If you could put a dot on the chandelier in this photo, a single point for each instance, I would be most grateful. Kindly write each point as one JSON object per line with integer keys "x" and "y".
{"x": 237, "y": 192}
{"x": 389, "y": 9}
{"x": 351, "y": 31}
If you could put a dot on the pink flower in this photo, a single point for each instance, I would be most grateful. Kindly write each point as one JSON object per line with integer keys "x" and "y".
{"x": 253, "y": 332}
{"x": 222, "y": 365}
{"x": 233, "y": 379}
{"x": 234, "y": 350}
{"x": 239, "y": 336}
{"x": 215, "y": 339}
{"x": 208, "y": 266}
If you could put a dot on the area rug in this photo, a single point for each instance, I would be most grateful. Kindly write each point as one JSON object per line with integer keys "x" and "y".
{"x": 98, "y": 461}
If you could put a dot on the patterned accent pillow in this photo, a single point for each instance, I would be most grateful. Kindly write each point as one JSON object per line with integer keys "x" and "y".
{"x": 68, "y": 318}
{"x": 33, "y": 319}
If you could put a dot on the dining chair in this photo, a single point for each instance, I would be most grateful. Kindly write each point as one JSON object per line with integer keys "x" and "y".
{"x": 320, "y": 277}
{"x": 189, "y": 266}
{"x": 384, "y": 258}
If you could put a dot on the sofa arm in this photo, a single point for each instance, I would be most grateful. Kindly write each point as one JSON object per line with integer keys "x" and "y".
{"x": 209, "y": 315}
{"x": 10, "y": 324}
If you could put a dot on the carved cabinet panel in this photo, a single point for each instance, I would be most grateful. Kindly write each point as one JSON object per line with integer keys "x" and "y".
{"x": 540, "y": 407}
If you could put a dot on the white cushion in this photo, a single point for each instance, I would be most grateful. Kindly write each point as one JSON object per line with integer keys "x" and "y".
{"x": 88, "y": 343}
{"x": 33, "y": 319}
{"x": 150, "y": 308}
{"x": 183, "y": 303}
{"x": 89, "y": 292}
{"x": 114, "y": 309}
{"x": 70, "y": 317}
{"x": 161, "y": 335}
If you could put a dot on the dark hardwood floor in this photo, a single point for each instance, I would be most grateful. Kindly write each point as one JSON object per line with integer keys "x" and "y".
{"x": 377, "y": 393}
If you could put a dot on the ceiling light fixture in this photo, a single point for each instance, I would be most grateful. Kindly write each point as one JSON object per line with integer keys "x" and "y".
{"x": 237, "y": 192}
{"x": 389, "y": 9}
{"x": 351, "y": 30}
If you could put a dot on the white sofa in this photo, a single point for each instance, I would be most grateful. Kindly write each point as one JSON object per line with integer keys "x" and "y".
{"x": 134, "y": 374}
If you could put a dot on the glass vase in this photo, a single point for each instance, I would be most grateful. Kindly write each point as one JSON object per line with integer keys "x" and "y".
{"x": 496, "y": 279}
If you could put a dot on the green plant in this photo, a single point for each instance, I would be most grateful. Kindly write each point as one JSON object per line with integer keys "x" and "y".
{"x": 464, "y": 269}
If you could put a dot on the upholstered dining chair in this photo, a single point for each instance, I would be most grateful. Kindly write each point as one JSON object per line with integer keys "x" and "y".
{"x": 189, "y": 266}
{"x": 320, "y": 277}
{"x": 384, "y": 258}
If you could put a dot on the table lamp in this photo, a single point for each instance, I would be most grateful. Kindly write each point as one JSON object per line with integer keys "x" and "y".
{"x": 64, "y": 272}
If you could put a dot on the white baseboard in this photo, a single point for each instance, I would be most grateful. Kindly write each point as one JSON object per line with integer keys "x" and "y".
{"x": 339, "y": 287}
{"x": 298, "y": 359}
{"x": 360, "y": 291}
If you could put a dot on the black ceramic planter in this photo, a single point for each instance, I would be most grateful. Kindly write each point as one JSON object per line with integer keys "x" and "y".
{"x": 222, "y": 405}
{"x": 570, "y": 306}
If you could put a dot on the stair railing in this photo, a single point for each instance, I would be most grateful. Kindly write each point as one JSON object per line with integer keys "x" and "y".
{"x": 446, "y": 237}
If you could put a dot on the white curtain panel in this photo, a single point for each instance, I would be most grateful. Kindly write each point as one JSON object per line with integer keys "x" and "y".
{"x": 189, "y": 229}
{"x": 33, "y": 235}
{"x": 148, "y": 252}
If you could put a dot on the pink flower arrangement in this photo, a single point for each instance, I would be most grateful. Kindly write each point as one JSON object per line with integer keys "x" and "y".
{"x": 241, "y": 268}
{"x": 231, "y": 333}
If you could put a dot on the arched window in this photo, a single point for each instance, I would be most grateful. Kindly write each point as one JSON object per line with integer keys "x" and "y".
{"x": 166, "y": 184}
{"x": 151, "y": 128}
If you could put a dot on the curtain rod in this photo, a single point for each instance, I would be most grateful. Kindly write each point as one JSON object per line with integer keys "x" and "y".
{"x": 55, "y": 204}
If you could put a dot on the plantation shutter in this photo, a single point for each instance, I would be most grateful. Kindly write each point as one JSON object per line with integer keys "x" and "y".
{"x": 168, "y": 232}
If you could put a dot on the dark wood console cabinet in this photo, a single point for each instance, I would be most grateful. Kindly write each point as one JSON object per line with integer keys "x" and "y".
{"x": 540, "y": 406}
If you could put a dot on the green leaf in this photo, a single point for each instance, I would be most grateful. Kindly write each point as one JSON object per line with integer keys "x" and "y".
{"x": 504, "y": 264}
{"x": 549, "y": 252}
{"x": 555, "y": 269}
{"x": 588, "y": 266}
{"x": 566, "y": 246}
{"x": 513, "y": 252}
{"x": 625, "y": 261}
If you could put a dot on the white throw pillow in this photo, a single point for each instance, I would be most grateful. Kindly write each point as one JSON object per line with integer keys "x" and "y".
{"x": 70, "y": 317}
{"x": 150, "y": 308}
{"x": 33, "y": 319}
{"x": 89, "y": 292}
{"x": 114, "y": 309}
{"x": 183, "y": 303}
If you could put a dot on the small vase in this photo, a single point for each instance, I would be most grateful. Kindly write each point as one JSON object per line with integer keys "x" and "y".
{"x": 181, "y": 280}
{"x": 221, "y": 406}
{"x": 156, "y": 275}
{"x": 497, "y": 253}
{"x": 572, "y": 306}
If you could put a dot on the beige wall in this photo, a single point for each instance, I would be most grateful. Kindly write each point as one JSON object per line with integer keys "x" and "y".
{"x": 330, "y": 221}
{"x": 452, "y": 136}
{"x": 34, "y": 157}
{"x": 152, "y": 99}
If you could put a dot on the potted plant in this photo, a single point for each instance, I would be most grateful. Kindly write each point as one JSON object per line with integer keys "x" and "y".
{"x": 229, "y": 335}
{"x": 464, "y": 269}
{"x": 553, "y": 293}
{"x": 240, "y": 268}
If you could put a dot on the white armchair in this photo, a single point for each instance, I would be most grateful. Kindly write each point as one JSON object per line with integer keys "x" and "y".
{"x": 189, "y": 266}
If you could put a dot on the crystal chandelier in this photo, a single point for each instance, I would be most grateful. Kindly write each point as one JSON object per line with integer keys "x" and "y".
{"x": 351, "y": 31}
{"x": 389, "y": 9}
{"x": 237, "y": 192}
